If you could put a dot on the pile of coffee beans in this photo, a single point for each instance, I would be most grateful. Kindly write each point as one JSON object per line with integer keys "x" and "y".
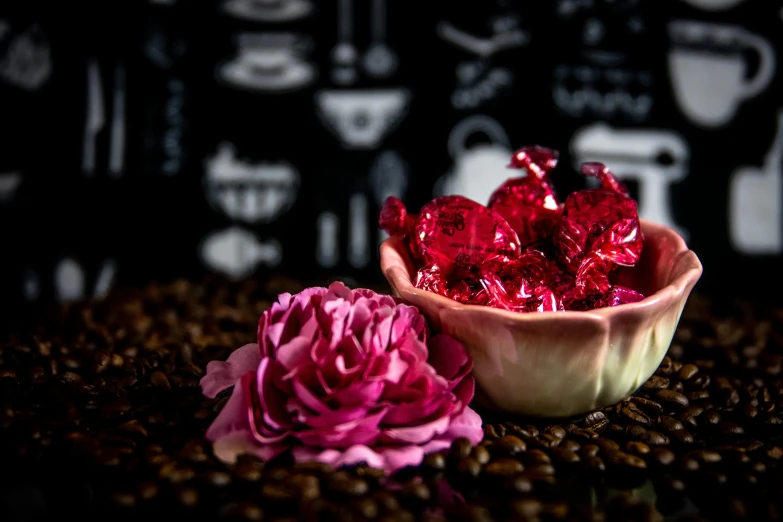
{"x": 101, "y": 417}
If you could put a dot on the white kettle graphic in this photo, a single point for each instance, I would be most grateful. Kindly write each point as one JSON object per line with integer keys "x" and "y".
{"x": 479, "y": 169}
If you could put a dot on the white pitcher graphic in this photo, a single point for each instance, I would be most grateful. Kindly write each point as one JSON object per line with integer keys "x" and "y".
{"x": 714, "y": 5}
{"x": 479, "y": 169}
{"x": 707, "y": 69}
{"x": 756, "y": 203}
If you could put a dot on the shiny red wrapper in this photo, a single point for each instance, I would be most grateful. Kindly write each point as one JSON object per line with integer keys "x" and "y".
{"x": 476, "y": 254}
{"x": 529, "y": 203}
{"x": 599, "y": 230}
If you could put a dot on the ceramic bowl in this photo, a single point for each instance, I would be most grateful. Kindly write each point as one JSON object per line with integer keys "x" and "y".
{"x": 559, "y": 364}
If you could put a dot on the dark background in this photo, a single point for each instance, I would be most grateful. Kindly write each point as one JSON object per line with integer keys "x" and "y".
{"x": 89, "y": 201}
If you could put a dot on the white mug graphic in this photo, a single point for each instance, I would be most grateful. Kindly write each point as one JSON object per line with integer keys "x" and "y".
{"x": 707, "y": 67}
{"x": 478, "y": 169}
{"x": 250, "y": 193}
{"x": 362, "y": 119}
{"x": 637, "y": 154}
{"x": 756, "y": 203}
{"x": 271, "y": 62}
{"x": 714, "y": 5}
{"x": 268, "y": 10}
{"x": 237, "y": 253}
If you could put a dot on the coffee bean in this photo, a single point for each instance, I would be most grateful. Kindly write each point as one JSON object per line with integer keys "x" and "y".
{"x": 490, "y": 433}
{"x": 594, "y": 463}
{"x": 555, "y": 431}
{"x": 242, "y": 511}
{"x": 590, "y": 450}
{"x": 663, "y": 456}
{"x": 519, "y": 484}
{"x": 536, "y": 456}
{"x": 570, "y": 445}
{"x": 187, "y": 496}
{"x": 481, "y": 454}
{"x": 460, "y": 448}
{"x": 682, "y": 437}
{"x": 511, "y": 445}
{"x": 669, "y": 424}
{"x": 638, "y": 448}
{"x": 656, "y": 382}
{"x": 435, "y": 461}
{"x": 124, "y": 499}
{"x": 712, "y": 417}
{"x": 218, "y": 478}
{"x": 775, "y": 452}
{"x": 730, "y": 429}
{"x": 584, "y": 434}
{"x": 689, "y": 464}
{"x": 504, "y": 467}
{"x": 565, "y": 456}
{"x": 636, "y": 432}
{"x": 545, "y": 440}
{"x": 526, "y": 508}
{"x": 634, "y": 414}
{"x": 687, "y": 372}
{"x": 619, "y": 458}
{"x": 469, "y": 467}
{"x": 342, "y": 483}
{"x": 654, "y": 438}
{"x": 688, "y": 421}
{"x": 698, "y": 395}
{"x": 665, "y": 368}
{"x": 650, "y": 407}
{"x": 671, "y": 399}
{"x": 706, "y": 456}
{"x": 147, "y": 490}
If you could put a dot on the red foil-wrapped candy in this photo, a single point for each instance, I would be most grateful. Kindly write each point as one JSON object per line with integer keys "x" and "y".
{"x": 604, "y": 221}
{"x": 458, "y": 235}
{"x": 396, "y": 221}
{"x": 521, "y": 284}
{"x": 529, "y": 203}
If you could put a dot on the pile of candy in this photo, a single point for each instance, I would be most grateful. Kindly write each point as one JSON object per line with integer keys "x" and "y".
{"x": 525, "y": 251}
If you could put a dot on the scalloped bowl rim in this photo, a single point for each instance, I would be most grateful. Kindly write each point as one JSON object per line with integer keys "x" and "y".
{"x": 678, "y": 288}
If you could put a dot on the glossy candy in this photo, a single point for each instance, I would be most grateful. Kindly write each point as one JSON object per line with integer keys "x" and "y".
{"x": 525, "y": 252}
{"x": 529, "y": 203}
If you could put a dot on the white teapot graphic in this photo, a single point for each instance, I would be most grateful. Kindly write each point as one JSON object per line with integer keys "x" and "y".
{"x": 479, "y": 169}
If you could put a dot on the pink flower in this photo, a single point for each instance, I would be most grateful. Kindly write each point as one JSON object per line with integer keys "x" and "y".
{"x": 343, "y": 377}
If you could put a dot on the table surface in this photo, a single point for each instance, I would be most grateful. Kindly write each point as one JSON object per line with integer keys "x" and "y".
{"x": 101, "y": 416}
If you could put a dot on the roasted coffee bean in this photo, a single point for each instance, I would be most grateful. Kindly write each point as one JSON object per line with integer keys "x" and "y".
{"x": 526, "y": 508}
{"x": 342, "y": 483}
{"x": 242, "y": 511}
{"x": 565, "y": 456}
{"x": 584, "y": 434}
{"x": 636, "y": 432}
{"x": 663, "y": 456}
{"x": 545, "y": 440}
{"x": 555, "y": 431}
{"x": 511, "y": 445}
{"x": 698, "y": 395}
{"x": 682, "y": 437}
{"x": 595, "y": 420}
{"x": 218, "y": 478}
{"x": 188, "y": 496}
{"x": 590, "y": 450}
{"x": 650, "y": 407}
{"x": 570, "y": 445}
{"x": 671, "y": 399}
{"x": 711, "y": 417}
{"x": 654, "y": 438}
{"x": 687, "y": 372}
{"x": 469, "y": 467}
{"x": 656, "y": 382}
{"x": 638, "y": 448}
{"x": 634, "y": 414}
{"x": 504, "y": 467}
{"x": 669, "y": 424}
{"x": 730, "y": 429}
{"x": 460, "y": 448}
{"x": 436, "y": 461}
{"x": 519, "y": 484}
{"x": 481, "y": 454}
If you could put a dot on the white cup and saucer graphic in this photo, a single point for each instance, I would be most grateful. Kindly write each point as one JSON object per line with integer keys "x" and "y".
{"x": 709, "y": 73}
{"x": 268, "y": 62}
{"x": 237, "y": 253}
{"x": 268, "y": 10}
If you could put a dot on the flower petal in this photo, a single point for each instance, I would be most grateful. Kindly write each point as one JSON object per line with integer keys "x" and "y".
{"x": 232, "y": 417}
{"x": 229, "y": 447}
{"x": 308, "y": 398}
{"x": 221, "y": 375}
{"x": 449, "y": 357}
{"x": 356, "y": 454}
{"x": 417, "y": 434}
{"x": 467, "y": 424}
{"x": 294, "y": 353}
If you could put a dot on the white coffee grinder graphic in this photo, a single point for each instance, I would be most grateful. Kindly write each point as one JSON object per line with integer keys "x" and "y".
{"x": 268, "y": 10}
{"x": 707, "y": 67}
{"x": 250, "y": 193}
{"x": 480, "y": 168}
{"x": 362, "y": 119}
{"x": 237, "y": 252}
{"x": 271, "y": 62}
{"x": 653, "y": 158}
{"x": 756, "y": 203}
{"x": 70, "y": 281}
